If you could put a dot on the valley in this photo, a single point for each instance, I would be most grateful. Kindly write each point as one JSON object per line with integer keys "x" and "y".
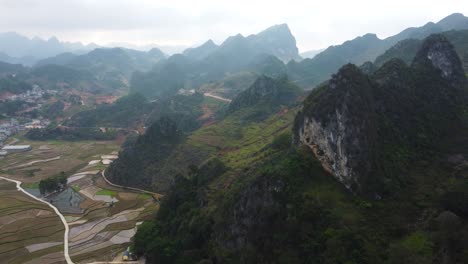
{"x": 236, "y": 151}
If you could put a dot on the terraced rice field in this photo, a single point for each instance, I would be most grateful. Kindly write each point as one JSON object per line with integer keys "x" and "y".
{"x": 108, "y": 224}
{"x": 29, "y": 230}
{"x": 102, "y": 218}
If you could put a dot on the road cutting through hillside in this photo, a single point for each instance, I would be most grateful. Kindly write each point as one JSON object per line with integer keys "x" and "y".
{"x": 65, "y": 237}
{"x": 155, "y": 195}
{"x": 217, "y": 97}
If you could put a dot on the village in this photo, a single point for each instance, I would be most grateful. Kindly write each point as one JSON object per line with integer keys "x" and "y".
{"x": 13, "y": 126}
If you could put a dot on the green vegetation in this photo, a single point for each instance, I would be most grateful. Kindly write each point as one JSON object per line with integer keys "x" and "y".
{"x": 11, "y": 107}
{"x": 266, "y": 94}
{"x": 34, "y": 185}
{"x": 76, "y": 188}
{"x": 13, "y": 85}
{"x": 141, "y": 157}
{"x": 144, "y": 196}
{"x": 70, "y": 134}
{"x": 107, "y": 192}
{"x": 125, "y": 112}
{"x": 254, "y": 198}
{"x": 52, "y": 184}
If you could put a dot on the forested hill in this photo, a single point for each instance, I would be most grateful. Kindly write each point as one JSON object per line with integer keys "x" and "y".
{"x": 377, "y": 174}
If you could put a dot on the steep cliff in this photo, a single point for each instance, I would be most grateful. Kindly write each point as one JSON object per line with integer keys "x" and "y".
{"x": 357, "y": 124}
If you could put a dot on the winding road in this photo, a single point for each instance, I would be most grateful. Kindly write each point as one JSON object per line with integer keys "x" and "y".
{"x": 65, "y": 237}
{"x": 62, "y": 218}
{"x": 217, "y": 97}
{"x": 129, "y": 188}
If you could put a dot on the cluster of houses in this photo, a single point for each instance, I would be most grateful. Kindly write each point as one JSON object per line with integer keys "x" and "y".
{"x": 13, "y": 126}
{"x": 30, "y": 96}
{"x": 9, "y": 128}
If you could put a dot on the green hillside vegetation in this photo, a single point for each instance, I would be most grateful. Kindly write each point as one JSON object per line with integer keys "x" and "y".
{"x": 271, "y": 112}
{"x": 70, "y": 134}
{"x": 267, "y": 93}
{"x": 231, "y": 85}
{"x": 126, "y": 112}
{"x": 13, "y": 85}
{"x": 255, "y": 198}
{"x": 140, "y": 158}
{"x": 9, "y": 108}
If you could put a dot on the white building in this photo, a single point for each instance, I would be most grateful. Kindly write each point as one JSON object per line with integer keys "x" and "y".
{"x": 16, "y": 148}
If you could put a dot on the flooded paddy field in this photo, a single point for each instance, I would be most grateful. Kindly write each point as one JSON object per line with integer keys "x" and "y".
{"x": 102, "y": 219}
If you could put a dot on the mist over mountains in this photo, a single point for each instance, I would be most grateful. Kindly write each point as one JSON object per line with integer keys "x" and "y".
{"x": 245, "y": 150}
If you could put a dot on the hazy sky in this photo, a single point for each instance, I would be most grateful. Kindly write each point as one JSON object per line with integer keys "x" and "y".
{"x": 315, "y": 24}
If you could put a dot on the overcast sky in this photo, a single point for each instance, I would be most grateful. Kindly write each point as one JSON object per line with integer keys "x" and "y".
{"x": 315, "y": 24}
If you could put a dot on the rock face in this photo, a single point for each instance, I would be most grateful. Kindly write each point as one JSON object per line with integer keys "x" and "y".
{"x": 438, "y": 52}
{"x": 246, "y": 217}
{"x": 338, "y": 127}
{"x": 357, "y": 122}
{"x": 278, "y": 41}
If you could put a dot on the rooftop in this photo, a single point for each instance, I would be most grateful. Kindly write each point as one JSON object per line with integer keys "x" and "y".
{"x": 13, "y": 147}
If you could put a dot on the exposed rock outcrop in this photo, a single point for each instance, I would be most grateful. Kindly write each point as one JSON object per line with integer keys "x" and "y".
{"x": 338, "y": 126}
{"x": 356, "y": 122}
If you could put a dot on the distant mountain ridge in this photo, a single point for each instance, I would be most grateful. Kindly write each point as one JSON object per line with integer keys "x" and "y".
{"x": 311, "y": 72}
{"x": 407, "y": 49}
{"x": 210, "y": 62}
{"x": 112, "y": 65}
{"x": 17, "y": 46}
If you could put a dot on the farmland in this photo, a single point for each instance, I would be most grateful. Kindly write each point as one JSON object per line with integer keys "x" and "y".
{"x": 102, "y": 218}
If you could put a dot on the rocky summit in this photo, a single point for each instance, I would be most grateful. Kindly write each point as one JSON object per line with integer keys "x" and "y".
{"x": 356, "y": 121}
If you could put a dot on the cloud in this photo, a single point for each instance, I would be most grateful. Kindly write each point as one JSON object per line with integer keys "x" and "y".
{"x": 315, "y": 24}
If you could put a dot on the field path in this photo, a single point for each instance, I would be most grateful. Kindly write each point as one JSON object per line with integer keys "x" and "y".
{"x": 155, "y": 195}
{"x": 65, "y": 237}
{"x": 31, "y": 163}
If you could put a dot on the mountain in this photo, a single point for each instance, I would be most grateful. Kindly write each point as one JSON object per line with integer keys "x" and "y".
{"x": 167, "y": 49}
{"x": 9, "y": 69}
{"x": 311, "y": 72}
{"x": 18, "y": 46}
{"x": 50, "y": 76}
{"x": 237, "y": 53}
{"x": 310, "y": 53}
{"x": 169, "y": 121}
{"x": 200, "y": 52}
{"x": 376, "y": 173}
{"x": 266, "y": 92}
{"x": 27, "y": 60}
{"x": 103, "y": 60}
{"x": 407, "y": 49}
{"x": 276, "y": 40}
{"x": 262, "y": 99}
{"x": 113, "y": 66}
{"x": 358, "y": 124}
